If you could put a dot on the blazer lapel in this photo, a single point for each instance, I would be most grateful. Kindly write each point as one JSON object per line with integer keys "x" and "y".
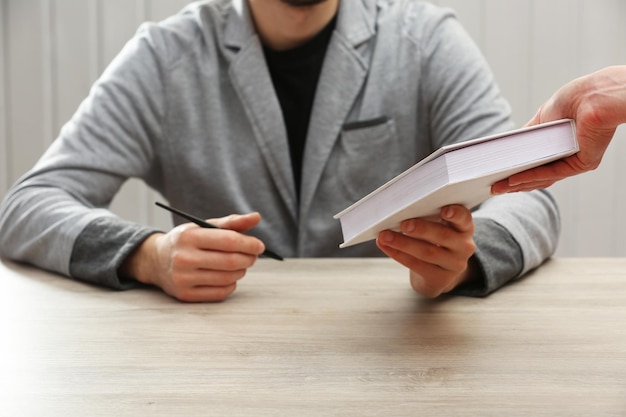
{"x": 250, "y": 78}
{"x": 343, "y": 74}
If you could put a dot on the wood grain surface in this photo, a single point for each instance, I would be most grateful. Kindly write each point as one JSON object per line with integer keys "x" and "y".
{"x": 318, "y": 337}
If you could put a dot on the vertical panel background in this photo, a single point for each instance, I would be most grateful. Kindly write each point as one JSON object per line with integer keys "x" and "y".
{"x": 51, "y": 51}
{"x": 4, "y": 150}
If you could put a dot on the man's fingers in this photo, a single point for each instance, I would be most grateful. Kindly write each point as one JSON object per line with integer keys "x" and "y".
{"x": 238, "y": 222}
{"x": 221, "y": 240}
{"x": 459, "y": 217}
{"x": 537, "y": 178}
{"x": 196, "y": 277}
{"x": 412, "y": 252}
{"x": 529, "y": 186}
{"x": 201, "y": 294}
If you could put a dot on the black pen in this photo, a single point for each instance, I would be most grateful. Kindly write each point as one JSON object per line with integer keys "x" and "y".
{"x": 206, "y": 225}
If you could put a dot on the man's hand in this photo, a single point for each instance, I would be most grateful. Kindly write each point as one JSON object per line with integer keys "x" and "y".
{"x": 194, "y": 264}
{"x": 597, "y": 102}
{"x": 436, "y": 253}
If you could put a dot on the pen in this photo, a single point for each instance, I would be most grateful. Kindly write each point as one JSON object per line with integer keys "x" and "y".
{"x": 206, "y": 225}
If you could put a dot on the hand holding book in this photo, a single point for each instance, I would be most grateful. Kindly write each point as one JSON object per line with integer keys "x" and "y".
{"x": 597, "y": 101}
{"x": 438, "y": 254}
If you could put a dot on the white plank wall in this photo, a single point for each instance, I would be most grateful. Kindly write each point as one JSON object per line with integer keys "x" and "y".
{"x": 51, "y": 51}
{"x": 4, "y": 134}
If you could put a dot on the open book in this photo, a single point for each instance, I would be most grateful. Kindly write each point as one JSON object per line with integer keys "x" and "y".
{"x": 461, "y": 173}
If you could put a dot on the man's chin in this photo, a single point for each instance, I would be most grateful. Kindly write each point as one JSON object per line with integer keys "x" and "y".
{"x": 302, "y": 3}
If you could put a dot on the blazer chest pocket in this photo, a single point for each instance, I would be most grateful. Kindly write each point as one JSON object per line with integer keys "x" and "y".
{"x": 367, "y": 155}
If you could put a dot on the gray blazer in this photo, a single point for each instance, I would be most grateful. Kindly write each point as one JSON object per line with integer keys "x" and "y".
{"x": 189, "y": 107}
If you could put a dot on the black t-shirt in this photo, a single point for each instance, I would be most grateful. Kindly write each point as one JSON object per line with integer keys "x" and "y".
{"x": 295, "y": 73}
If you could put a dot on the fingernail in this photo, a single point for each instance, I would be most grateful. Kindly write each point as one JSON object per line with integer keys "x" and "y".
{"x": 409, "y": 226}
{"x": 448, "y": 213}
{"x": 387, "y": 237}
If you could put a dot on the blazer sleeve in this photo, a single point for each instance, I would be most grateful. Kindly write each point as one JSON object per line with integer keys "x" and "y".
{"x": 108, "y": 140}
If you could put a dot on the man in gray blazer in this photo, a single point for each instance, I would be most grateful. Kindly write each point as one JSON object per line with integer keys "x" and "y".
{"x": 270, "y": 116}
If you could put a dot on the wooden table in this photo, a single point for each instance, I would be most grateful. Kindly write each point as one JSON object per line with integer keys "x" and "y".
{"x": 318, "y": 338}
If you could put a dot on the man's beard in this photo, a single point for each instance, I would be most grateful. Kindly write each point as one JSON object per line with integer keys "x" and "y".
{"x": 302, "y": 3}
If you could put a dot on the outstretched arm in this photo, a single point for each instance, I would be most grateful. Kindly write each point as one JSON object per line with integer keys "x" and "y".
{"x": 597, "y": 102}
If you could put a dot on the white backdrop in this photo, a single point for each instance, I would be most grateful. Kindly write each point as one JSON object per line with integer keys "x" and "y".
{"x": 51, "y": 51}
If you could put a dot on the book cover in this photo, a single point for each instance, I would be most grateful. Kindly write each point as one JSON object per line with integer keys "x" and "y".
{"x": 461, "y": 173}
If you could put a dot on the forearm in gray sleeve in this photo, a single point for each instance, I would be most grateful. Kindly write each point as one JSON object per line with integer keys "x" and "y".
{"x": 101, "y": 248}
{"x": 499, "y": 257}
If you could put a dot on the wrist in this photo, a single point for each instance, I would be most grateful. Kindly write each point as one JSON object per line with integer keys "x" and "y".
{"x": 473, "y": 272}
{"x": 139, "y": 264}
